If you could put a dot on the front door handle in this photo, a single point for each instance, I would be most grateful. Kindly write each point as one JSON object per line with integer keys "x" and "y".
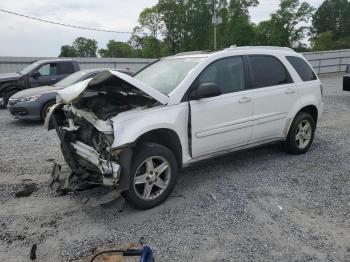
{"x": 290, "y": 91}
{"x": 245, "y": 100}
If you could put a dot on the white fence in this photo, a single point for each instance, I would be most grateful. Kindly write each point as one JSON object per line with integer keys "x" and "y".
{"x": 328, "y": 62}
{"x": 323, "y": 62}
{"x": 13, "y": 64}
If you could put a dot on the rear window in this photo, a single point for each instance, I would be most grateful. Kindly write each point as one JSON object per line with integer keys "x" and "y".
{"x": 303, "y": 69}
{"x": 268, "y": 71}
{"x": 65, "y": 68}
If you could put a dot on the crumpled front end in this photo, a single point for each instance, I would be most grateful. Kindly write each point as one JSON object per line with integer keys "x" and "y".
{"x": 85, "y": 144}
{"x": 82, "y": 119}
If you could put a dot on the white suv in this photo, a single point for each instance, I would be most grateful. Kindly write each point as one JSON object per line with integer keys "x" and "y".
{"x": 134, "y": 133}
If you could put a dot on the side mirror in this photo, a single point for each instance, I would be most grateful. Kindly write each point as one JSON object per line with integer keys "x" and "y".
{"x": 206, "y": 90}
{"x": 36, "y": 74}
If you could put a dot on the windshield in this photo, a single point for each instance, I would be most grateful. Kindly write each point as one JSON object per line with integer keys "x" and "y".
{"x": 166, "y": 74}
{"x": 71, "y": 79}
{"x": 28, "y": 69}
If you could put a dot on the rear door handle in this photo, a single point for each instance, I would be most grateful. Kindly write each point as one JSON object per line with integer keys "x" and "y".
{"x": 53, "y": 79}
{"x": 290, "y": 91}
{"x": 245, "y": 100}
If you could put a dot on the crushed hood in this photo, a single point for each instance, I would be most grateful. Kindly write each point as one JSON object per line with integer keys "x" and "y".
{"x": 119, "y": 81}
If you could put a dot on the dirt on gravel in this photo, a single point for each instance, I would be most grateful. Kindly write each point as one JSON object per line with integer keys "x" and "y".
{"x": 260, "y": 205}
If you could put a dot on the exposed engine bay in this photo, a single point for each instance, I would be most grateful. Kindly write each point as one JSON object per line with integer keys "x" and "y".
{"x": 85, "y": 128}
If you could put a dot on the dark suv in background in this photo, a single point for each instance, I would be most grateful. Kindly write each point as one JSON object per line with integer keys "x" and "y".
{"x": 39, "y": 73}
{"x": 33, "y": 104}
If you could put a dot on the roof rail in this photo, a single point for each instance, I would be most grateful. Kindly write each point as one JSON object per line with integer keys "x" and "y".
{"x": 258, "y": 47}
{"x": 192, "y": 53}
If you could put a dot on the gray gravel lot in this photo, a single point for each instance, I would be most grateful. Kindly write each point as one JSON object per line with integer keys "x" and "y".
{"x": 261, "y": 205}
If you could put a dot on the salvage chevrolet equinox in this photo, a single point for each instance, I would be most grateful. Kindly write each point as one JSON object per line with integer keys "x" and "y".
{"x": 134, "y": 133}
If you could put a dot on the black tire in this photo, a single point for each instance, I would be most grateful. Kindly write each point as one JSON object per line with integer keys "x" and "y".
{"x": 8, "y": 95}
{"x": 145, "y": 152}
{"x": 44, "y": 109}
{"x": 291, "y": 145}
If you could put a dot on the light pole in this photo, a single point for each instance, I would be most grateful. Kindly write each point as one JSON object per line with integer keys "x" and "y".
{"x": 216, "y": 20}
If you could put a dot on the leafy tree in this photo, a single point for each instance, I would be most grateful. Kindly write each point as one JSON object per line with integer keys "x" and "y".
{"x": 68, "y": 51}
{"x": 287, "y": 26}
{"x": 149, "y": 19}
{"x": 332, "y": 16}
{"x": 85, "y": 47}
{"x": 117, "y": 49}
{"x": 325, "y": 41}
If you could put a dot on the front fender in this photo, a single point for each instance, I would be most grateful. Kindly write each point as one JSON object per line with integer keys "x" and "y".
{"x": 175, "y": 118}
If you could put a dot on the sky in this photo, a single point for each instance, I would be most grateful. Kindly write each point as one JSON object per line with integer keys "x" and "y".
{"x": 23, "y": 37}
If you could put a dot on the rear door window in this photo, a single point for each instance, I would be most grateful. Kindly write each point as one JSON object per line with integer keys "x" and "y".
{"x": 268, "y": 71}
{"x": 303, "y": 69}
{"x": 227, "y": 73}
{"x": 65, "y": 68}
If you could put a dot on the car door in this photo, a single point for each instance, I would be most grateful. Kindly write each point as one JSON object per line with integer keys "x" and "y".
{"x": 274, "y": 95}
{"x": 224, "y": 121}
{"x": 48, "y": 75}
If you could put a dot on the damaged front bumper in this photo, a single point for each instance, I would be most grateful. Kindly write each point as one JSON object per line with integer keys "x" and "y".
{"x": 109, "y": 169}
{"x": 79, "y": 155}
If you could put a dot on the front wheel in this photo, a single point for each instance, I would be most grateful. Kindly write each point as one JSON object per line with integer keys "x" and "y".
{"x": 153, "y": 176}
{"x": 301, "y": 134}
{"x": 8, "y": 95}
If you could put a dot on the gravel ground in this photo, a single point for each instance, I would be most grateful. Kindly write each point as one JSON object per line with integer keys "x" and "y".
{"x": 261, "y": 205}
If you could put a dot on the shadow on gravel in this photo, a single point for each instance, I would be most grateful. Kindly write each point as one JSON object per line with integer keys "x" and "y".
{"x": 23, "y": 123}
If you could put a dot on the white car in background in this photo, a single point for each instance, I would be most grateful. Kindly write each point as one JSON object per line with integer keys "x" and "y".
{"x": 134, "y": 133}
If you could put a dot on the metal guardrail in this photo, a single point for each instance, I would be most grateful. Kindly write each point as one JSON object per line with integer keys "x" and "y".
{"x": 329, "y": 62}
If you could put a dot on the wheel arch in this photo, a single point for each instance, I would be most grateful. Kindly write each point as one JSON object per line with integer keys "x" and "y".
{"x": 310, "y": 109}
{"x": 44, "y": 105}
{"x": 165, "y": 137}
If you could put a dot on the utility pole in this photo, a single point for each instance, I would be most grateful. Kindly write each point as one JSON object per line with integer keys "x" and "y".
{"x": 216, "y": 20}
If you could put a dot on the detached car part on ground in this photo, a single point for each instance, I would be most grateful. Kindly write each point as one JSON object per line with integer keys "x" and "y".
{"x": 134, "y": 133}
{"x": 39, "y": 73}
{"x": 33, "y": 103}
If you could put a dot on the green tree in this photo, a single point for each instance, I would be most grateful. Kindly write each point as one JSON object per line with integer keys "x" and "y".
{"x": 237, "y": 28}
{"x": 85, "y": 47}
{"x": 149, "y": 19}
{"x": 68, "y": 51}
{"x": 117, "y": 49}
{"x": 332, "y": 16}
{"x": 287, "y": 26}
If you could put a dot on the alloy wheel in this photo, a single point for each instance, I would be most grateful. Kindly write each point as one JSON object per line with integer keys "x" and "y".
{"x": 152, "y": 177}
{"x": 303, "y": 134}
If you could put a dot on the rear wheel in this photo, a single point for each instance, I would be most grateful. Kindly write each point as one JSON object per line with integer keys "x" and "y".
{"x": 301, "y": 134}
{"x": 153, "y": 176}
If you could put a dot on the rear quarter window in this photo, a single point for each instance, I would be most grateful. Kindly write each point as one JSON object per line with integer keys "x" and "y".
{"x": 268, "y": 71}
{"x": 65, "y": 68}
{"x": 303, "y": 69}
